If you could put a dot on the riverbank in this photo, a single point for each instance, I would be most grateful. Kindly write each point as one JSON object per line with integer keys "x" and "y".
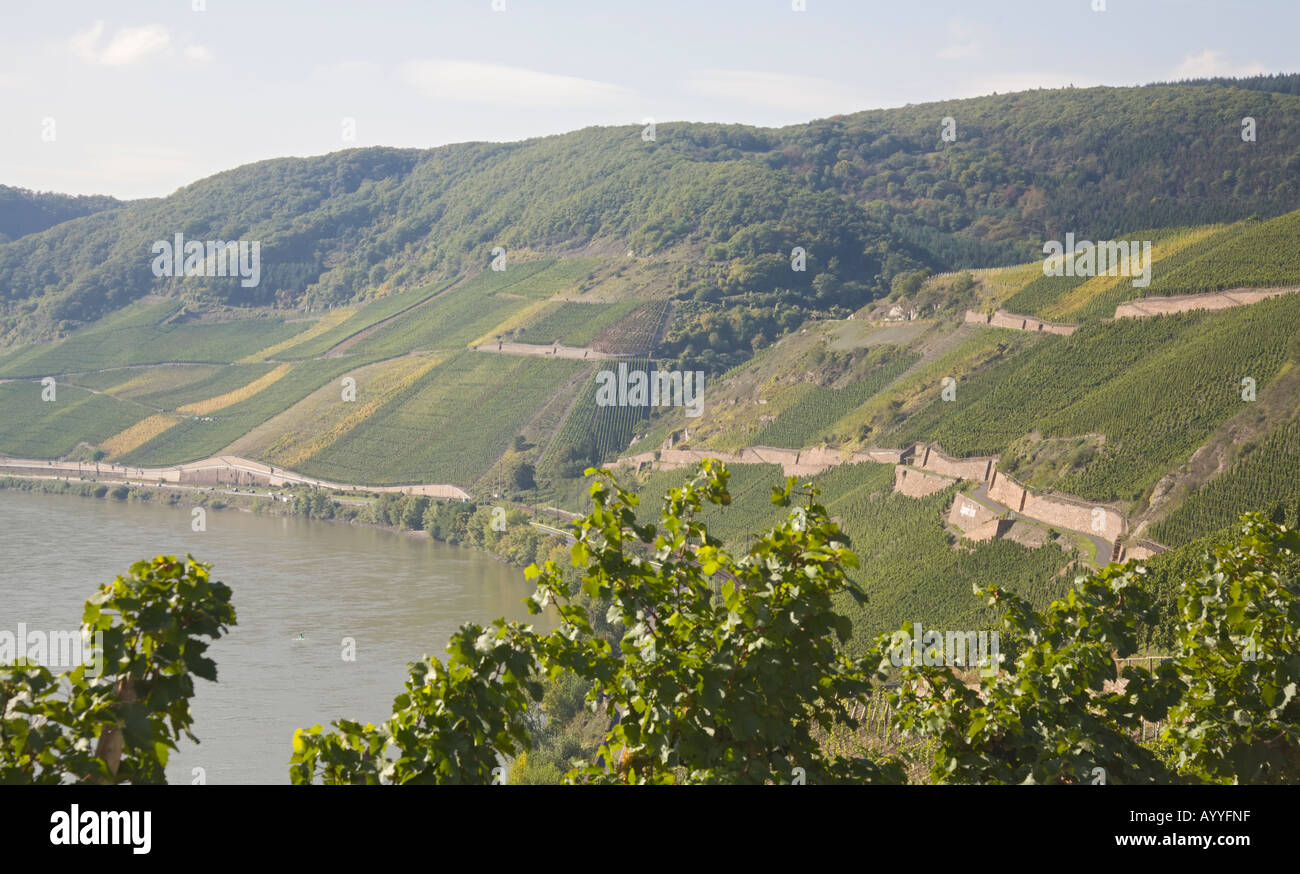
{"x": 365, "y": 603}
{"x": 502, "y": 530}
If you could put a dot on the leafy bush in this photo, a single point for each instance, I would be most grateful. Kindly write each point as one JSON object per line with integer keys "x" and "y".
{"x": 118, "y": 724}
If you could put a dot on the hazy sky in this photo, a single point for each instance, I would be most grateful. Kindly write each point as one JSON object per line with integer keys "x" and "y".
{"x": 135, "y": 98}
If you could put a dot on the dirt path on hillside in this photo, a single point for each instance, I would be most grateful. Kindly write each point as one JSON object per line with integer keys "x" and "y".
{"x": 255, "y": 471}
{"x": 550, "y": 350}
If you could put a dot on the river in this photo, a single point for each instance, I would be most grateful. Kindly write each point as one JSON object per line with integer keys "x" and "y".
{"x": 397, "y": 596}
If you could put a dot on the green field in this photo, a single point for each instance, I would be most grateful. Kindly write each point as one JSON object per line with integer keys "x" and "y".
{"x": 194, "y": 439}
{"x": 450, "y": 426}
{"x": 32, "y": 428}
{"x": 136, "y": 335}
{"x": 1267, "y": 479}
{"x": 1156, "y": 388}
{"x": 908, "y": 565}
{"x": 370, "y": 314}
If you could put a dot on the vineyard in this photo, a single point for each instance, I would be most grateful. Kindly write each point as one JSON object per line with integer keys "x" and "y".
{"x": 135, "y": 382}
{"x": 170, "y": 394}
{"x": 592, "y": 434}
{"x": 549, "y": 277}
{"x": 1041, "y": 293}
{"x": 32, "y": 428}
{"x": 570, "y": 323}
{"x": 234, "y": 396}
{"x": 140, "y": 335}
{"x": 908, "y": 563}
{"x": 1195, "y": 260}
{"x": 1088, "y": 298}
{"x": 318, "y": 328}
{"x": 970, "y": 352}
{"x": 1267, "y": 478}
{"x": 809, "y": 419}
{"x": 449, "y": 426}
{"x": 369, "y": 315}
{"x": 1258, "y": 254}
{"x": 1170, "y": 255}
{"x": 1156, "y": 388}
{"x": 320, "y": 419}
{"x": 196, "y": 438}
{"x": 456, "y": 318}
{"x": 635, "y": 332}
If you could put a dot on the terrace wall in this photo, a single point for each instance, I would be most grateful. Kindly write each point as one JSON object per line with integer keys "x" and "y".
{"x": 1219, "y": 300}
{"x": 967, "y": 514}
{"x": 930, "y": 458}
{"x": 915, "y": 484}
{"x": 1004, "y": 319}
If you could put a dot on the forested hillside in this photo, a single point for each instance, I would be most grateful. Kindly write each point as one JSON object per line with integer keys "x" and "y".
{"x": 27, "y": 212}
{"x": 867, "y": 196}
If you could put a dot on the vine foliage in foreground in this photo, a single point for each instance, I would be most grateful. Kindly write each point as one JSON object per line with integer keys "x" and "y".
{"x": 118, "y": 719}
{"x": 726, "y": 669}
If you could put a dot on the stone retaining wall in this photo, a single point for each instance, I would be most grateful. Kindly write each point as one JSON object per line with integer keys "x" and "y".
{"x": 967, "y": 513}
{"x": 1219, "y": 300}
{"x": 915, "y": 484}
{"x": 1004, "y": 319}
{"x": 1057, "y": 510}
{"x": 931, "y": 459}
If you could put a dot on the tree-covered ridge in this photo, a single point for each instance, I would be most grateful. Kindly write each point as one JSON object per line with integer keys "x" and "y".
{"x": 867, "y": 195}
{"x": 23, "y": 211}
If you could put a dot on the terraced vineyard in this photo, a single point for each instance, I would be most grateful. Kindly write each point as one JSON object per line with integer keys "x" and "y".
{"x": 1155, "y": 388}
{"x": 1088, "y": 298}
{"x": 1266, "y": 479}
{"x": 909, "y": 565}
{"x": 1171, "y": 255}
{"x": 814, "y": 414}
{"x": 1257, "y": 254}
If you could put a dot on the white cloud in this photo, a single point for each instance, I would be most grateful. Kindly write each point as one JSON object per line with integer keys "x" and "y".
{"x": 806, "y": 95}
{"x": 1212, "y": 62}
{"x": 131, "y": 45}
{"x": 127, "y": 46}
{"x": 473, "y": 82}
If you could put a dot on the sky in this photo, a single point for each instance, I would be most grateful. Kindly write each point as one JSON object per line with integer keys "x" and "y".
{"x": 135, "y": 98}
